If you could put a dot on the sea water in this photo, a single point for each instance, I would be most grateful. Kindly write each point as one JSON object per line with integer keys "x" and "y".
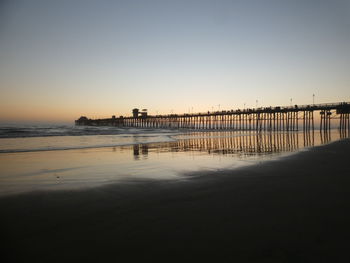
{"x": 37, "y": 158}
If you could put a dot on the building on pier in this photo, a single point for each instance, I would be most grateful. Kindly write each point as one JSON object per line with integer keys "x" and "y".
{"x": 82, "y": 121}
{"x": 135, "y": 113}
{"x": 144, "y": 113}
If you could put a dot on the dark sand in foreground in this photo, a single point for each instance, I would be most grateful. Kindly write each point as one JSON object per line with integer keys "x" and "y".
{"x": 291, "y": 210}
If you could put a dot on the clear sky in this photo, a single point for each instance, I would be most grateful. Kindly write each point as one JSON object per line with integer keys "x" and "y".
{"x": 63, "y": 59}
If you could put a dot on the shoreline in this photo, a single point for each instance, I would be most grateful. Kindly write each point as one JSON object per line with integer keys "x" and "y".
{"x": 172, "y": 137}
{"x": 286, "y": 210}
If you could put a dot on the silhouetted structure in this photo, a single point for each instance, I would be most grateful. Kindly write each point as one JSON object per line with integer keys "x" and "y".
{"x": 135, "y": 113}
{"x": 268, "y": 119}
{"x": 144, "y": 113}
{"x": 83, "y": 121}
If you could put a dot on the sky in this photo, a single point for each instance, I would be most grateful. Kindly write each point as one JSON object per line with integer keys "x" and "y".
{"x": 63, "y": 59}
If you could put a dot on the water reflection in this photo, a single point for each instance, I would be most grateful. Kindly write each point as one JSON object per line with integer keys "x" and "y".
{"x": 251, "y": 143}
{"x": 136, "y": 152}
{"x": 199, "y": 151}
{"x": 144, "y": 151}
{"x": 254, "y": 143}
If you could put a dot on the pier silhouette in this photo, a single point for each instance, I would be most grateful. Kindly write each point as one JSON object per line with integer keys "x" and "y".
{"x": 288, "y": 118}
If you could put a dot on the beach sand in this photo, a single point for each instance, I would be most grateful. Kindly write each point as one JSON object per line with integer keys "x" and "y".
{"x": 295, "y": 209}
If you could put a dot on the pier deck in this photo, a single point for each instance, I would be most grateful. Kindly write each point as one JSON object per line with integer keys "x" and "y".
{"x": 287, "y": 118}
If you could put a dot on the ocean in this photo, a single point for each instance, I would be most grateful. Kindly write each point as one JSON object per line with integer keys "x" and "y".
{"x": 63, "y": 157}
{"x": 64, "y": 137}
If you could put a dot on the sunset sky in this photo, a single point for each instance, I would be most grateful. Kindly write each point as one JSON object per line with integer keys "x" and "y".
{"x": 63, "y": 59}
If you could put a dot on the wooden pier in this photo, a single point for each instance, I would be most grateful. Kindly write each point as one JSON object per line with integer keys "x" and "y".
{"x": 289, "y": 118}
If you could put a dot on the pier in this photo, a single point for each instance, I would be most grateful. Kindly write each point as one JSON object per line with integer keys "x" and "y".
{"x": 287, "y": 118}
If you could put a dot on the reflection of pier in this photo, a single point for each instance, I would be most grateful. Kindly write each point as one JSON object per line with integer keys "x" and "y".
{"x": 261, "y": 119}
{"x": 144, "y": 151}
{"x": 230, "y": 142}
{"x": 250, "y": 143}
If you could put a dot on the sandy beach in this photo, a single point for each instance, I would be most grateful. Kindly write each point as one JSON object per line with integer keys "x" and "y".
{"x": 295, "y": 209}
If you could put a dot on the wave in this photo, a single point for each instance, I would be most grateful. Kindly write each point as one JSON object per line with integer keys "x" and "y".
{"x": 54, "y": 146}
{"x": 52, "y": 138}
{"x": 66, "y": 130}
{"x": 74, "y": 147}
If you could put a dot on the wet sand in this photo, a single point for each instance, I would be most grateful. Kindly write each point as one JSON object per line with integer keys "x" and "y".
{"x": 291, "y": 210}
